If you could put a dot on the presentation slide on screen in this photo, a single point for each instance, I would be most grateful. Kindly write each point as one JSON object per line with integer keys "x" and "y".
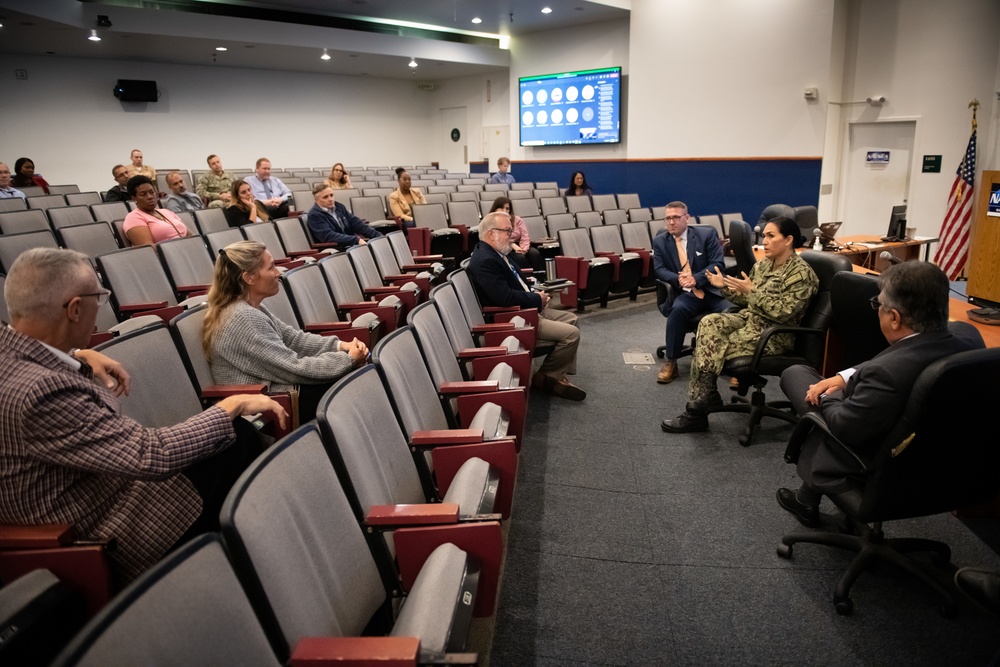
{"x": 571, "y": 108}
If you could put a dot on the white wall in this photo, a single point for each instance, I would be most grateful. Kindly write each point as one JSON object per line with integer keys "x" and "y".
{"x": 487, "y": 102}
{"x": 585, "y": 47}
{"x": 726, "y": 78}
{"x": 928, "y": 59}
{"x": 65, "y": 118}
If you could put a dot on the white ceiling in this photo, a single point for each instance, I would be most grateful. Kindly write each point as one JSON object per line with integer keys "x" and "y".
{"x": 291, "y": 34}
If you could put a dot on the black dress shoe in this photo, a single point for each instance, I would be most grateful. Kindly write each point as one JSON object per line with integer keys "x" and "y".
{"x": 808, "y": 515}
{"x": 703, "y": 406}
{"x": 685, "y": 423}
{"x": 983, "y": 586}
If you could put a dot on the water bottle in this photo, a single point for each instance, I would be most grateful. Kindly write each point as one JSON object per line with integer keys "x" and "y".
{"x": 550, "y": 268}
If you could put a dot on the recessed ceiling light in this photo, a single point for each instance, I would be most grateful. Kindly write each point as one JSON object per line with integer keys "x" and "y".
{"x": 93, "y": 36}
{"x": 325, "y": 56}
{"x": 546, "y": 10}
{"x": 221, "y": 48}
{"x": 477, "y": 20}
{"x": 413, "y": 62}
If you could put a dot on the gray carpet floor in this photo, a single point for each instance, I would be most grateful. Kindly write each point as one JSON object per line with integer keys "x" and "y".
{"x": 630, "y": 546}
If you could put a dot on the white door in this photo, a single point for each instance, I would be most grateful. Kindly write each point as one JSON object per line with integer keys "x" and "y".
{"x": 872, "y": 188}
{"x": 496, "y": 144}
{"x": 455, "y": 154}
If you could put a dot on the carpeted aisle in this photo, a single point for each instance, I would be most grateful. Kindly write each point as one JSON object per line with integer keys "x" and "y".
{"x": 630, "y": 546}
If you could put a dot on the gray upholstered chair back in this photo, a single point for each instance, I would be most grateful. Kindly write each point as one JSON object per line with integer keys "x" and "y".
{"x": 463, "y": 213}
{"x": 364, "y": 266}
{"x": 310, "y": 295}
{"x": 340, "y": 276}
{"x": 385, "y": 258}
{"x": 607, "y": 238}
{"x": 636, "y": 235}
{"x": 12, "y": 245}
{"x": 467, "y": 297}
{"x": 589, "y": 218}
{"x": 453, "y": 317}
{"x": 65, "y": 216}
{"x": 187, "y": 261}
{"x": 135, "y": 276}
{"x": 431, "y": 216}
{"x": 576, "y": 243}
{"x": 189, "y": 609}
{"x": 557, "y": 222}
{"x": 400, "y": 363}
{"x": 186, "y": 329}
{"x": 294, "y": 537}
{"x": 266, "y": 233}
{"x": 17, "y": 222}
{"x": 615, "y": 216}
{"x": 211, "y": 220}
{"x": 603, "y": 202}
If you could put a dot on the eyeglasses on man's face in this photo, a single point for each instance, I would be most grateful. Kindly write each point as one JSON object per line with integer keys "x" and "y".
{"x": 675, "y": 218}
{"x": 508, "y": 231}
{"x": 102, "y": 297}
{"x": 876, "y": 304}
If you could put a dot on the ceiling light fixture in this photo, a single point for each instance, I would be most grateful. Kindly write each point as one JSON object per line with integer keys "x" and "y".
{"x": 477, "y": 20}
{"x": 413, "y": 62}
{"x": 546, "y": 10}
{"x": 325, "y": 56}
{"x": 93, "y": 36}
{"x": 221, "y": 48}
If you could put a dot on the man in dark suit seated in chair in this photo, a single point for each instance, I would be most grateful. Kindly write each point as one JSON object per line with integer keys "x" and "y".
{"x": 498, "y": 282}
{"x": 331, "y": 222}
{"x": 682, "y": 257}
{"x": 862, "y": 404}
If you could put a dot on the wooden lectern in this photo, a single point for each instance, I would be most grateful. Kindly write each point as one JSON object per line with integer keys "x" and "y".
{"x": 984, "y": 245}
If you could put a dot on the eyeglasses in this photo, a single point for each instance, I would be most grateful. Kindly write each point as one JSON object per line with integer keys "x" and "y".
{"x": 675, "y": 218}
{"x": 875, "y": 303}
{"x": 102, "y": 297}
{"x": 508, "y": 231}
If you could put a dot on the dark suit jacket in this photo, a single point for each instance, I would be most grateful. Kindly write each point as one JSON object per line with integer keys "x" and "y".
{"x": 117, "y": 194}
{"x": 495, "y": 282}
{"x": 872, "y": 403}
{"x": 326, "y": 230}
{"x": 704, "y": 254}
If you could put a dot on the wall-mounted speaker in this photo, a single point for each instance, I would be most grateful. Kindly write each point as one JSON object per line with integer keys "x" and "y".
{"x": 134, "y": 90}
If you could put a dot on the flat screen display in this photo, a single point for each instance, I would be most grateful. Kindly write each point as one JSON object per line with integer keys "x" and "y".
{"x": 571, "y": 108}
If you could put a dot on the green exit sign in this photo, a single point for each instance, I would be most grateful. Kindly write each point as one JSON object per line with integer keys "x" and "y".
{"x": 932, "y": 164}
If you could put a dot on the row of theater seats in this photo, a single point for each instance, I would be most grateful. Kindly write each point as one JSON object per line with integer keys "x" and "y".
{"x": 382, "y": 517}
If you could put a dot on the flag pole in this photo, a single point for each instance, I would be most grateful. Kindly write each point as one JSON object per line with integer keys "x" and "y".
{"x": 952, "y": 253}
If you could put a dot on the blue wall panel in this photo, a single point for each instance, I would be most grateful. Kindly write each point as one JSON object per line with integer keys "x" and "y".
{"x": 706, "y": 186}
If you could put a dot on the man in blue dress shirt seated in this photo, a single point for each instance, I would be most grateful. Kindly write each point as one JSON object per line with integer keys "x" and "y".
{"x": 6, "y": 191}
{"x": 331, "y": 222}
{"x": 498, "y": 282}
{"x": 503, "y": 174}
{"x": 274, "y": 194}
{"x": 180, "y": 199}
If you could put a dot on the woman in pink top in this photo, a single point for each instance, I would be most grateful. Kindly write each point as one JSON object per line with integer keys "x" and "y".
{"x": 520, "y": 240}
{"x": 148, "y": 225}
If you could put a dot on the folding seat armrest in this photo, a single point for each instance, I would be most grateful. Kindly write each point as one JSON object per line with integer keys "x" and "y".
{"x": 475, "y": 352}
{"x": 99, "y": 337}
{"x": 357, "y": 652}
{"x": 500, "y": 454}
{"x": 42, "y": 536}
{"x": 439, "y": 437}
{"x": 524, "y": 335}
{"x": 646, "y": 258}
{"x": 605, "y": 253}
{"x": 490, "y": 310}
{"x": 289, "y": 263}
{"x": 193, "y": 290}
{"x": 421, "y": 514}
{"x": 315, "y": 254}
{"x": 133, "y": 308}
{"x": 388, "y": 289}
{"x": 324, "y": 246}
{"x": 467, "y": 387}
{"x": 529, "y": 315}
{"x": 416, "y": 267}
{"x": 419, "y": 240}
{"x": 164, "y": 312}
{"x": 319, "y": 327}
{"x": 572, "y": 268}
{"x": 347, "y": 332}
{"x": 408, "y": 298}
{"x": 514, "y": 401}
{"x": 423, "y": 283}
{"x": 223, "y": 390}
{"x": 498, "y": 326}
{"x": 385, "y": 314}
{"x": 427, "y": 258}
{"x": 616, "y": 263}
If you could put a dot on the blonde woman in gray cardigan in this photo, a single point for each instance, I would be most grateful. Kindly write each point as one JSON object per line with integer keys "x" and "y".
{"x": 246, "y": 344}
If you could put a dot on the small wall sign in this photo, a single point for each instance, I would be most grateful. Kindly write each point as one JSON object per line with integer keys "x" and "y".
{"x": 877, "y": 157}
{"x": 932, "y": 164}
{"x": 455, "y": 134}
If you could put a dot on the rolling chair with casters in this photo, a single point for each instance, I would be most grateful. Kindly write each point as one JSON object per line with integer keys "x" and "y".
{"x": 810, "y": 339}
{"x": 919, "y": 469}
{"x": 741, "y": 245}
{"x": 665, "y": 295}
{"x": 855, "y": 334}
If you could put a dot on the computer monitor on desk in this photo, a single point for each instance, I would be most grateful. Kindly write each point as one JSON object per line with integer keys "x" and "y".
{"x": 897, "y": 224}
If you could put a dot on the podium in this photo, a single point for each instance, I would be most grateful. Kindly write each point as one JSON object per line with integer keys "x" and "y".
{"x": 984, "y": 245}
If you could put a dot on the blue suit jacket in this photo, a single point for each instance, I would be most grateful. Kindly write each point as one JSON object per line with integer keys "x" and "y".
{"x": 494, "y": 281}
{"x": 704, "y": 254}
{"x": 325, "y": 229}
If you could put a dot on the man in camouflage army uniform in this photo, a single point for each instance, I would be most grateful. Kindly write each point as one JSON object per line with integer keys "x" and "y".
{"x": 777, "y": 291}
{"x": 214, "y": 186}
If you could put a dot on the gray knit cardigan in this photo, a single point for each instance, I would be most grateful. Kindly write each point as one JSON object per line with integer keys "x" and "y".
{"x": 252, "y": 346}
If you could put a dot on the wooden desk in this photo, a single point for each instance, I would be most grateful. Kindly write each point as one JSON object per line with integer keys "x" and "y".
{"x": 957, "y": 309}
{"x": 867, "y": 255}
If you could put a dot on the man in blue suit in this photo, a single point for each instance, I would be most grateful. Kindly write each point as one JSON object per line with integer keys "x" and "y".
{"x": 331, "y": 222}
{"x": 681, "y": 257}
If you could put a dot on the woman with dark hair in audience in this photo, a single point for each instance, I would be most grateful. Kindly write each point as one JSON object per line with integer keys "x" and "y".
{"x": 339, "y": 179}
{"x": 520, "y": 240}
{"x": 776, "y": 292}
{"x": 25, "y": 176}
{"x": 243, "y": 209}
{"x": 245, "y": 344}
{"x": 578, "y": 185}
{"x": 403, "y": 197}
{"x": 147, "y": 224}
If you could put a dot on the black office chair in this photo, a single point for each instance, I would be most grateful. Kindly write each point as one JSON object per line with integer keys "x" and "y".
{"x": 810, "y": 339}
{"x": 855, "y": 333}
{"x": 741, "y": 244}
{"x": 807, "y": 218}
{"x": 919, "y": 469}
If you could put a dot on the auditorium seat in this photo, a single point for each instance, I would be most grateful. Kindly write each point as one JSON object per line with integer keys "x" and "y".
{"x": 623, "y": 278}
{"x": 43, "y": 202}
{"x": 557, "y": 222}
{"x": 83, "y": 198}
{"x": 440, "y": 238}
{"x": 13, "y": 204}
{"x": 627, "y": 201}
{"x": 410, "y": 291}
{"x": 211, "y": 220}
{"x": 317, "y": 313}
{"x": 589, "y": 219}
{"x": 603, "y": 202}
{"x": 218, "y": 240}
{"x": 350, "y": 299}
{"x": 615, "y": 216}
{"x": 188, "y": 264}
{"x": 92, "y": 239}
{"x": 110, "y": 211}
{"x": 12, "y": 245}
{"x": 31, "y": 220}
{"x": 372, "y": 210}
{"x": 578, "y": 204}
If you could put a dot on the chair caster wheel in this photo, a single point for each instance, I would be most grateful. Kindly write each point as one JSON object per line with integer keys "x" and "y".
{"x": 844, "y": 606}
{"x": 784, "y": 551}
{"x": 746, "y": 438}
{"x": 660, "y": 354}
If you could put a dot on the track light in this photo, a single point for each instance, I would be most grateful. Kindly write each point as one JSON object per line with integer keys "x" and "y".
{"x": 93, "y": 36}
{"x": 546, "y": 10}
{"x": 477, "y": 20}
{"x": 325, "y": 56}
{"x": 413, "y": 62}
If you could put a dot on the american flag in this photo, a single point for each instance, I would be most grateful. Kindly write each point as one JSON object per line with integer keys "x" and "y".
{"x": 953, "y": 251}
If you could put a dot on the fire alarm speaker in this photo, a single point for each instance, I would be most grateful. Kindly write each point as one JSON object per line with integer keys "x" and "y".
{"x": 133, "y": 90}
